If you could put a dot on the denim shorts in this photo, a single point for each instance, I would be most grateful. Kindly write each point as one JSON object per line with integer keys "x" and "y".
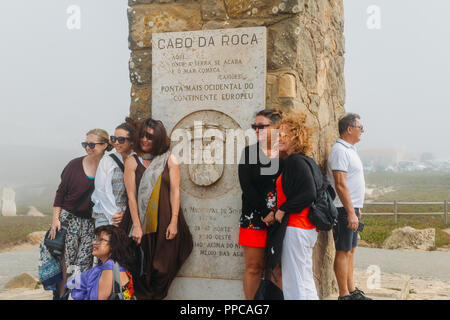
{"x": 344, "y": 238}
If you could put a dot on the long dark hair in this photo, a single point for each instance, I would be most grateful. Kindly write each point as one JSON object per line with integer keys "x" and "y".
{"x": 121, "y": 246}
{"x": 161, "y": 142}
{"x": 131, "y": 127}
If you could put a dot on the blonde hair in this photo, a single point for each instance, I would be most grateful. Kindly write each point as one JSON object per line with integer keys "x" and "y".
{"x": 103, "y": 135}
{"x": 298, "y": 132}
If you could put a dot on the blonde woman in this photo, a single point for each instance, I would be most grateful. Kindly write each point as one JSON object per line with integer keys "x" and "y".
{"x": 72, "y": 207}
{"x": 295, "y": 194}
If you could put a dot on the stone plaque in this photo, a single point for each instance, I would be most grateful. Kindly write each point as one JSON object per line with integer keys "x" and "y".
{"x": 207, "y": 84}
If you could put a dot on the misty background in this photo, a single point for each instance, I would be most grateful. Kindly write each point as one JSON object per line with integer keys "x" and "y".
{"x": 56, "y": 84}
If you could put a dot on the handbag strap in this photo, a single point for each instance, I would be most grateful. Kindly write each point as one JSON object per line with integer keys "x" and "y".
{"x": 316, "y": 184}
{"x": 119, "y": 163}
{"x": 117, "y": 284}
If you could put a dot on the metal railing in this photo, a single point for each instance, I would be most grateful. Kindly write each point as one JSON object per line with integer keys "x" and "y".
{"x": 396, "y": 203}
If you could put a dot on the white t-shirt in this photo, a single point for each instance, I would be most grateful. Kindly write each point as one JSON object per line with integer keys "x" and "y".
{"x": 343, "y": 157}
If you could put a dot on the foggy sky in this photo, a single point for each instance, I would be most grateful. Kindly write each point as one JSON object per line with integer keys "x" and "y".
{"x": 56, "y": 84}
{"x": 397, "y": 77}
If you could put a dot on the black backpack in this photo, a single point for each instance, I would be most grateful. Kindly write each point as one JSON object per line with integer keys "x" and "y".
{"x": 323, "y": 213}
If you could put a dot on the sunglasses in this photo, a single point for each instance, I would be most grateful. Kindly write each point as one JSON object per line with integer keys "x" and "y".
{"x": 259, "y": 126}
{"x": 99, "y": 240}
{"x": 359, "y": 127}
{"x": 121, "y": 140}
{"x": 149, "y": 136}
{"x": 91, "y": 145}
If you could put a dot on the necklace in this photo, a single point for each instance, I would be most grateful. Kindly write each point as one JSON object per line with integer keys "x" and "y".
{"x": 147, "y": 156}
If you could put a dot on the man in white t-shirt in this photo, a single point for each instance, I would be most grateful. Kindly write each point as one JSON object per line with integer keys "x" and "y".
{"x": 346, "y": 175}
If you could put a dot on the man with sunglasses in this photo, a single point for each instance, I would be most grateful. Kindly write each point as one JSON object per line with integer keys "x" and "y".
{"x": 345, "y": 172}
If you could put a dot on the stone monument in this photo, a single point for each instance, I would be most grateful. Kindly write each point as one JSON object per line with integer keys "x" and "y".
{"x": 206, "y": 67}
{"x": 8, "y": 202}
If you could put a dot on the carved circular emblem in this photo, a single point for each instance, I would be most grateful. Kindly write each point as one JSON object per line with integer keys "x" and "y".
{"x": 199, "y": 141}
{"x": 206, "y": 137}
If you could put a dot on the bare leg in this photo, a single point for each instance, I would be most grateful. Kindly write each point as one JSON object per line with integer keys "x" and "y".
{"x": 254, "y": 262}
{"x": 341, "y": 271}
{"x": 350, "y": 283}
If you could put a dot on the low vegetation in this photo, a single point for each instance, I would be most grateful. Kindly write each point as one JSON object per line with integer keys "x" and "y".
{"x": 14, "y": 230}
{"x": 378, "y": 228}
{"x": 407, "y": 187}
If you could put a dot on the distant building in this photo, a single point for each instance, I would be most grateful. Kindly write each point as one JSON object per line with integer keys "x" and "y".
{"x": 391, "y": 160}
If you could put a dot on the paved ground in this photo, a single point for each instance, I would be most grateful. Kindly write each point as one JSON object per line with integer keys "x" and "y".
{"x": 16, "y": 262}
{"x": 424, "y": 264}
{"x": 402, "y": 274}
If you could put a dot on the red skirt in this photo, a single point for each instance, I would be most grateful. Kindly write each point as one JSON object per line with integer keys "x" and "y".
{"x": 253, "y": 237}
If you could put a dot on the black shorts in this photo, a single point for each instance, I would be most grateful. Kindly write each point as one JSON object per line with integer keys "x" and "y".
{"x": 344, "y": 238}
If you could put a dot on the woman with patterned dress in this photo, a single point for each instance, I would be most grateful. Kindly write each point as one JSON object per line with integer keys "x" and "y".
{"x": 72, "y": 208}
{"x": 258, "y": 170}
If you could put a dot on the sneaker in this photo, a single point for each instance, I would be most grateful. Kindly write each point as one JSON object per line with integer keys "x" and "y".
{"x": 347, "y": 297}
{"x": 358, "y": 295}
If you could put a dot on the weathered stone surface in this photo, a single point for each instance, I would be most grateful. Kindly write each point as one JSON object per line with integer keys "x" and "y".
{"x": 140, "y": 73}
{"x": 23, "y": 280}
{"x": 263, "y": 8}
{"x": 140, "y": 107}
{"x": 288, "y": 86}
{"x": 240, "y": 23}
{"x": 323, "y": 260}
{"x": 147, "y": 19}
{"x": 410, "y": 238}
{"x": 213, "y": 9}
{"x": 306, "y": 59}
{"x": 136, "y": 2}
{"x": 283, "y": 42}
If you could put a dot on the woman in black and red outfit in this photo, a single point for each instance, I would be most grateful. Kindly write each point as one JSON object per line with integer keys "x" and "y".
{"x": 258, "y": 170}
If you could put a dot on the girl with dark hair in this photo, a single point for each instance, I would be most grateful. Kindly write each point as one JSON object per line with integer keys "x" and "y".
{"x": 73, "y": 207}
{"x": 155, "y": 220}
{"x": 258, "y": 198}
{"x": 109, "y": 197}
{"x": 111, "y": 244}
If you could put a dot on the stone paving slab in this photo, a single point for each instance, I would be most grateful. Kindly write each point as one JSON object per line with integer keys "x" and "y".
{"x": 26, "y": 294}
{"x": 389, "y": 286}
